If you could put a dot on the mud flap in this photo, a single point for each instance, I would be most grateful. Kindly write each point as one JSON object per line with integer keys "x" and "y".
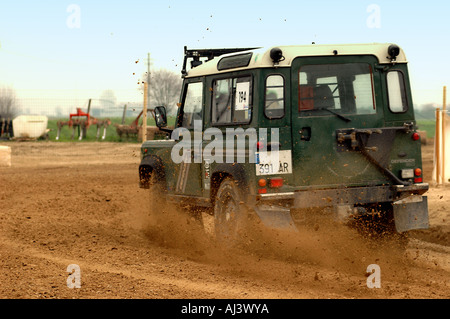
{"x": 411, "y": 213}
{"x": 275, "y": 217}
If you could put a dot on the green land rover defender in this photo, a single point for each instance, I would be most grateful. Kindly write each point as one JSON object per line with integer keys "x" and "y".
{"x": 290, "y": 131}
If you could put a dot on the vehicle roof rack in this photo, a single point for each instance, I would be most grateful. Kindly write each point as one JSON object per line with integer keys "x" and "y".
{"x": 196, "y": 54}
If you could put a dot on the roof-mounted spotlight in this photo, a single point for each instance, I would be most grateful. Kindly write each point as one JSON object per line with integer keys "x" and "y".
{"x": 393, "y": 52}
{"x": 196, "y": 62}
{"x": 276, "y": 55}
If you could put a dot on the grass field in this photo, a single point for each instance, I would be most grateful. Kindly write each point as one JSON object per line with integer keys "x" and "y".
{"x": 111, "y": 133}
{"x": 427, "y": 125}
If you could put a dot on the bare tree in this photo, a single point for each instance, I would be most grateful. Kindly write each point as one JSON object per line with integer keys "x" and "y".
{"x": 426, "y": 111}
{"x": 108, "y": 99}
{"x": 165, "y": 89}
{"x": 9, "y": 107}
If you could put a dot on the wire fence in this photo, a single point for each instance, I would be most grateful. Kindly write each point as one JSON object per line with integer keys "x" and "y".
{"x": 59, "y": 104}
{"x": 73, "y": 112}
{"x": 122, "y": 107}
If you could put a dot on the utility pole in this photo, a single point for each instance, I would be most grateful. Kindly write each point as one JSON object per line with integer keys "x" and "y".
{"x": 444, "y": 115}
{"x": 146, "y": 101}
{"x": 144, "y": 115}
{"x": 437, "y": 146}
{"x": 440, "y": 141}
{"x": 148, "y": 78}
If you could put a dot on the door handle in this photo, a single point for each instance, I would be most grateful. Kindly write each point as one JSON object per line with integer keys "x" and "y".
{"x": 305, "y": 133}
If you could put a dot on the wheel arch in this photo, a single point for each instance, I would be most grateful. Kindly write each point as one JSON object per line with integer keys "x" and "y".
{"x": 148, "y": 165}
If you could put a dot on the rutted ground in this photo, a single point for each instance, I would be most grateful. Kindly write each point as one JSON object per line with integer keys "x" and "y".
{"x": 79, "y": 203}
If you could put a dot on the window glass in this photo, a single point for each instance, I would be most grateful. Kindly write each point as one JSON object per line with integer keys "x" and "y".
{"x": 192, "y": 108}
{"x": 235, "y": 61}
{"x": 221, "y": 107}
{"x": 232, "y": 100}
{"x": 396, "y": 92}
{"x": 342, "y": 88}
{"x": 362, "y": 88}
{"x": 274, "y": 105}
{"x": 332, "y": 83}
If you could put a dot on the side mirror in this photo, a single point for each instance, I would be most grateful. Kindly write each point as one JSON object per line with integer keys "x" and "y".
{"x": 160, "y": 116}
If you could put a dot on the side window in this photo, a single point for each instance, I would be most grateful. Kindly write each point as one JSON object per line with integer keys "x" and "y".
{"x": 193, "y": 102}
{"x": 274, "y": 99}
{"x": 222, "y": 98}
{"x": 231, "y": 100}
{"x": 396, "y": 92}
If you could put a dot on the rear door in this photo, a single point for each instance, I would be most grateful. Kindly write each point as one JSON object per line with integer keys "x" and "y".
{"x": 333, "y": 95}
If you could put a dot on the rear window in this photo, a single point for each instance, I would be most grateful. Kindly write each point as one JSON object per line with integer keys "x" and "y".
{"x": 343, "y": 88}
{"x": 396, "y": 92}
{"x": 274, "y": 97}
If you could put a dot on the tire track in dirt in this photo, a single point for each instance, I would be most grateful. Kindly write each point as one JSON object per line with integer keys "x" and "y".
{"x": 61, "y": 209}
{"x": 202, "y": 289}
{"x": 429, "y": 254}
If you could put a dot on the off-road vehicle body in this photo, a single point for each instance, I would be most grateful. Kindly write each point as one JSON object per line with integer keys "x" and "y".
{"x": 340, "y": 117}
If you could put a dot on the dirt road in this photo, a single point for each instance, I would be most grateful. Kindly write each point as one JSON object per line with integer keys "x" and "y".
{"x": 79, "y": 203}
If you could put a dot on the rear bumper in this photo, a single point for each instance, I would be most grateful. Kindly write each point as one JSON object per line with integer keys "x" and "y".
{"x": 410, "y": 208}
{"x": 346, "y": 196}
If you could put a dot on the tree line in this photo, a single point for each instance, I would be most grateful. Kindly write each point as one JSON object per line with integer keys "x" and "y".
{"x": 9, "y": 107}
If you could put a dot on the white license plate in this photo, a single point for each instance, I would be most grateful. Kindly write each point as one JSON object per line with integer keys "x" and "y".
{"x": 273, "y": 163}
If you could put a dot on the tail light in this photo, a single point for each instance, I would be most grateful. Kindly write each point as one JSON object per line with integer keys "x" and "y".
{"x": 276, "y": 182}
{"x": 416, "y": 136}
{"x": 418, "y": 174}
{"x": 260, "y": 145}
{"x": 262, "y": 183}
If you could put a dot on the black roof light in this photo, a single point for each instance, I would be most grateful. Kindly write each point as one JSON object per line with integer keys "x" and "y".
{"x": 393, "y": 52}
{"x": 276, "y": 55}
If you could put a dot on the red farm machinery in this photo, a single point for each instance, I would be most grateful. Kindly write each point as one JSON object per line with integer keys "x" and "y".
{"x": 82, "y": 121}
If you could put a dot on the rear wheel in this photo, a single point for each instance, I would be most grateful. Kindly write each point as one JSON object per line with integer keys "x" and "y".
{"x": 229, "y": 216}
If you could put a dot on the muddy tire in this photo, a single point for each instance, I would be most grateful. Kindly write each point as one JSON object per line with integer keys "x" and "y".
{"x": 229, "y": 215}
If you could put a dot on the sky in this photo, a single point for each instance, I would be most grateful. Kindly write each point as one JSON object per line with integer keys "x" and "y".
{"x": 61, "y": 53}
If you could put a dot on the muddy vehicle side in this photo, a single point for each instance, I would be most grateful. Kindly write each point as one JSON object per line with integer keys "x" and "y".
{"x": 340, "y": 119}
